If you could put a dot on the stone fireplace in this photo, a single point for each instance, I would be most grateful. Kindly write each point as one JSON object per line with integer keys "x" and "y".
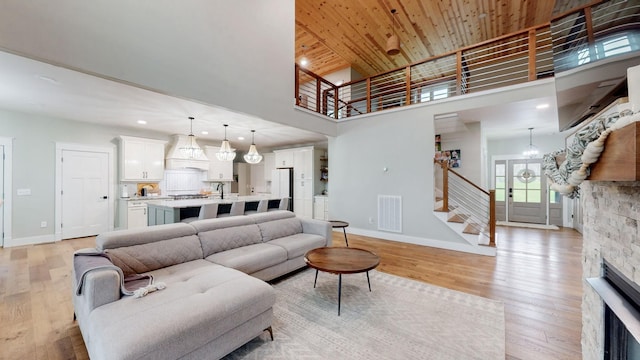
{"x": 610, "y": 232}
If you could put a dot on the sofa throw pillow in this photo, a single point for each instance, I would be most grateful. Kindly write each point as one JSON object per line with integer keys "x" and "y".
{"x": 219, "y": 240}
{"x": 280, "y": 228}
{"x": 138, "y": 259}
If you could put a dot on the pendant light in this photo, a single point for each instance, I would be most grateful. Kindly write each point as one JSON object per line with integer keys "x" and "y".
{"x": 225, "y": 153}
{"x": 252, "y": 157}
{"x": 531, "y": 151}
{"x": 191, "y": 150}
{"x": 393, "y": 42}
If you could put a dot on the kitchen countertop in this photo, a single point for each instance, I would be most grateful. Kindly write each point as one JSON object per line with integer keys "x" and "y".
{"x": 145, "y": 198}
{"x": 199, "y": 202}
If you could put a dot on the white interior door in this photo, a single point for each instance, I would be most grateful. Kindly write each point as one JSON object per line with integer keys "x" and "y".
{"x": 527, "y": 191}
{"x": 85, "y": 190}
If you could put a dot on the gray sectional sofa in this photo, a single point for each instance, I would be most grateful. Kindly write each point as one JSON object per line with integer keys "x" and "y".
{"x": 215, "y": 298}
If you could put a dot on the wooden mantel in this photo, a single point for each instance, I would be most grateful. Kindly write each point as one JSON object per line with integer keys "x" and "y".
{"x": 620, "y": 160}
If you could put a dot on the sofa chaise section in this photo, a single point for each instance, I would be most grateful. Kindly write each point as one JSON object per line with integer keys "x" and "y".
{"x": 205, "y": 311}
{"x": 215, "y": 298}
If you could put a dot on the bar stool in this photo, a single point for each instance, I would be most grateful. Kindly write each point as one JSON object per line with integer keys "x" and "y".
{"x": 336, "y": 224}
{"x": 207, "y": 211}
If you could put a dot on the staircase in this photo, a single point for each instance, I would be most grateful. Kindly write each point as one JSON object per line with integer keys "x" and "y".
{"x": 465, "y": 207}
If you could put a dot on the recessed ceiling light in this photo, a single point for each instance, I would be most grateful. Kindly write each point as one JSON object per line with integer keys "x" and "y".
{"x": 240, "y": 137}
{"x": 542, "y": 106}
{"x": 142, "y": 122}
{"x": 205, "y": 133}
{"x": 304, "y": 62}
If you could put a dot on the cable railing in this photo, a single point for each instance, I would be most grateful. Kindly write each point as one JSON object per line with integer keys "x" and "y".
{"x": 595, "y": 32}
{"x": 468, "y": 203}
{"x": 592, "y": 32}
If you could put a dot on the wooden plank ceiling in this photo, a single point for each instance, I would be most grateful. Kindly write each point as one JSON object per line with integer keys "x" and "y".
{"x": 337, "y": 34}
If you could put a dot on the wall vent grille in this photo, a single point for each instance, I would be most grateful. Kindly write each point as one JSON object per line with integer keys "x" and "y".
{"x": 390, "y": 213}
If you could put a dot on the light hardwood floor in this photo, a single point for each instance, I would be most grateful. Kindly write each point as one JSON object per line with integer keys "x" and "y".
{"x": 537, "y": 274}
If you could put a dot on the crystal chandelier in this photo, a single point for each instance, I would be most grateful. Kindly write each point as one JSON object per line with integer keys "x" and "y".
{"x": 531, "y": 151}
{"x": 225, "y": 153}
{"x": 191, "y": 150}
{"x": 252, "y": 157}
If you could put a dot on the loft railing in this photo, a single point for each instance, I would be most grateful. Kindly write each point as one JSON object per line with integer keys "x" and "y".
{"x": 468, "y": 203}
{"x": 503, "y": 61}
{"x": 516, "y": 58}
{"x": 595, "y": 32}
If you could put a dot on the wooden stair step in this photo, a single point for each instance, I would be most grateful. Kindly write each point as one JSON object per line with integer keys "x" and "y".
{"x": 457, "y": 218}
{"x": 472, "y": 228}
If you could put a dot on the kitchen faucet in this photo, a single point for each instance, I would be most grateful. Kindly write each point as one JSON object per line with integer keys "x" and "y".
{"x": 221, "y": 189}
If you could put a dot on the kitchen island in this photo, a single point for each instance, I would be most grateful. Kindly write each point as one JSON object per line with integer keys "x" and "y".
{"x": 173, "y": 211}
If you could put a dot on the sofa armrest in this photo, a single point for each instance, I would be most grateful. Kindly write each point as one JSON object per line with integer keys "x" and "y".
{"x": 318, "y": 227}
{"x": 100, "y": 287}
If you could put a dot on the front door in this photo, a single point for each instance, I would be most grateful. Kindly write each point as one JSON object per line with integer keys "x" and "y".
{"x": 527, "y": 191}
{"x": 85, "y": 189}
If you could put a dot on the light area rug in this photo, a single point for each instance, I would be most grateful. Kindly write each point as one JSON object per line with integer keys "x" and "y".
{"x": 398, "y": 319}
{"x": 527, "y": 225}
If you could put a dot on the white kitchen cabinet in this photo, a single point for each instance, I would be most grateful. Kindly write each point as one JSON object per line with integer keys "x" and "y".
{"x": 269, "y": 165}
{"x": 132, "y": 213}
{"x": 303, "y": 198}
{"x": 321, "y": 208}
{"x": 284, "y": 158}
{"x": 218, "y": 170}
{"x": 137, "y": 217}
{"x": 141, "y": 159}
{"x": 303, "y": 164}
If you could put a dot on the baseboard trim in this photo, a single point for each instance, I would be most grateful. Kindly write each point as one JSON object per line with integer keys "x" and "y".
{"x": 31, "y": 240}
{"x": 440, "y": 244}
{"x": 527, "y": 225}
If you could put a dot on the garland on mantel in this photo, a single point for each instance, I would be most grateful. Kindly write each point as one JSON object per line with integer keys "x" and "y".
{"x": 585, "y": 150}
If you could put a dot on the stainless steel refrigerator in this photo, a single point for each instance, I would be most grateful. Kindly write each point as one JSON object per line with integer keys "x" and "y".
{"x": 282, "y": 184}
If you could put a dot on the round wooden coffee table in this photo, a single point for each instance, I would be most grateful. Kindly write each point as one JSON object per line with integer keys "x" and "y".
{"x": 341, "y": 260}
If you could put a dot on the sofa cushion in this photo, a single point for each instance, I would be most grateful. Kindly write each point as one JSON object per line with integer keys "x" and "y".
{"x": 120, "y": 238}
{"x": 221, "y": 223}
{"x": 271, "y": 215}
{"x": 298, "y": 244}
{"x": 199, "y": 305}
{"x": 142, "y": 258}
{"x": 215, "y": 241}
{"x": 280, "y": 228}
{"x": 251, "y": 258}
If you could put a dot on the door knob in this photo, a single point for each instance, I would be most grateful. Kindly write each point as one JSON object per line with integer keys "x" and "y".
{"x": 105, "y": 197}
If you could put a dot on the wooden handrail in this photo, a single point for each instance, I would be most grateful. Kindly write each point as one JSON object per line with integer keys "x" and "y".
{"x": 469, "y": 182}
{"x": 491, "y": 195}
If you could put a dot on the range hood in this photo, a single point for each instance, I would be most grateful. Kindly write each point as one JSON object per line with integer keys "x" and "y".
{"x": 176, "y": 159}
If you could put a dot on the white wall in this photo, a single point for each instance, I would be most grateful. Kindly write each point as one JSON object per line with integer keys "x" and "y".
{"x": 217, "y": 52}
{"x": 34, "y": 146}
{"x": 402, "y": 141}
{"x": 469, "y": 144}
